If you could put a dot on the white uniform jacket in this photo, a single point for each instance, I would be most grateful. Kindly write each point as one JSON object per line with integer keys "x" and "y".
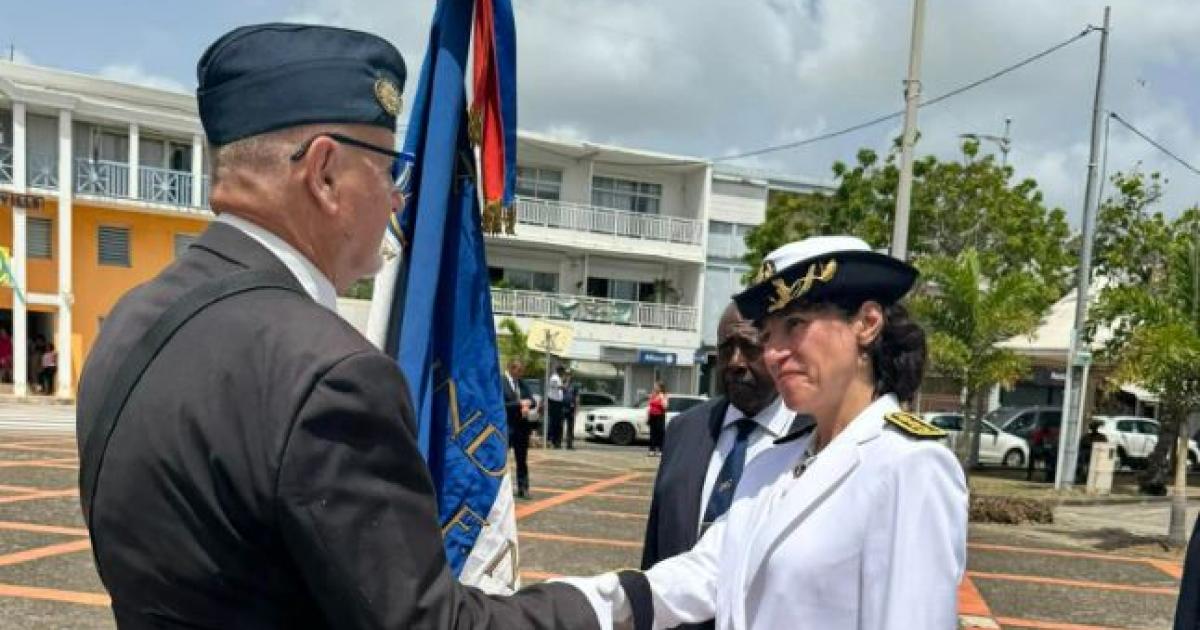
{"x": 871, "y": 534}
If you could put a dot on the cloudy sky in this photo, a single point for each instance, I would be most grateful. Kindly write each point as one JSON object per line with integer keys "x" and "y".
{"x": 715, "y": 77}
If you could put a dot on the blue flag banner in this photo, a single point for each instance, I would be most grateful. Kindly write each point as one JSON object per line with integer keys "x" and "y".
{"x": 440, "y": 326}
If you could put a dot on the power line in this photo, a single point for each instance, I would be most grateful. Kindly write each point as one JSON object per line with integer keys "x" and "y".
{"x": 933, "y": 101}
{"x": 1117, "y": 117}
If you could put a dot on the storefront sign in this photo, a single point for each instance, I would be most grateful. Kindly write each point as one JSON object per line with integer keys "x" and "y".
{"x": 32, "y": 202}
{"x": 653, "y": 357}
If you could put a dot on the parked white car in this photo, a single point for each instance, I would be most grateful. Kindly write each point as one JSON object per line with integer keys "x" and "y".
{"x": 624, "y": 425}
{"x": 995, "y": 446}
{"x": 1135, "y": 439}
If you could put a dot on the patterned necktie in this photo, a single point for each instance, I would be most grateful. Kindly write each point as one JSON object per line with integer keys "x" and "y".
{"x": 731, "y": 472}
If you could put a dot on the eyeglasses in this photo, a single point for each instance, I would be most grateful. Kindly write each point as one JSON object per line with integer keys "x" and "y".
{"x": 402, "y": 163}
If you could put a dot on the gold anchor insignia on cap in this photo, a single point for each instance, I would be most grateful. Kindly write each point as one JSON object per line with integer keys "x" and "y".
{"x": 766, "y": 270}
{"x": 787, "y": 293}
{"x": 388, "y": 96}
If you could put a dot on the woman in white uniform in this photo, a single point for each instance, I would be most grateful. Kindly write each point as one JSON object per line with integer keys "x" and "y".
{"x": 857, "y": 518}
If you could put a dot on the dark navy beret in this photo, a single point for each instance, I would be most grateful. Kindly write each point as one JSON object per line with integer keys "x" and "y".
{"x": 265, "y": 77}
{"x": 824, "y": 269}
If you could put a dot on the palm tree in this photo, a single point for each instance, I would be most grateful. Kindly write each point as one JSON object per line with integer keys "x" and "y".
{"x": 513, "y": 343}
{"x": 965, "y": 315}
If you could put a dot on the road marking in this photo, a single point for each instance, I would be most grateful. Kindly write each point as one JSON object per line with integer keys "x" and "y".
{"x": 46, "y": 494}
{"x": 629, "y": 515}
{"x": 608, "y": 542}
{"x": 36, "y": 463}
{"x": 1055, "y": 552}
{"x": 45, "y": 552}
{"x": 1173, "y": 569}
{"x": 42, "y": 529}
{"x": 54, "y": 595}
{"x": 600, "y": 495}
{"x": 566, "y": 496}
{"x": 37, "y": 449}
{"x": 972, "y": 608}
{"x": 539, "y": 575}
{"x": 1048, "y": 625}
{"x": 1103, "y": 586}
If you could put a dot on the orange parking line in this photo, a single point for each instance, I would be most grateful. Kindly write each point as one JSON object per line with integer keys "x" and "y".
{"x": 567, "y": 496}
{"x": 578, "y": 539}
{"x": 539, "y": 575}
{"x": 38, "y": 449}
{"x": 970, "y": 601}
{"x": 1062, "y": 553}
{"x": 1103, "y": 586}
{"x": 22, "y": 463}
{"x": 1048, "y": 625}
{"x": 54, "y": 595}
{"x": 42, "y": 529}
{"x": 602, "y": 495}
{"x": 46, "y": 494}
{"x": 629, "y": 515}
{"x": 1173, "y": 569}
{"x": 45, "y": 552}
{"x": 8, "y": 488}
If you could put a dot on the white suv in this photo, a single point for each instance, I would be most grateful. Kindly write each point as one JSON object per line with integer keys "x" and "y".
{"x": 1135, "y": 438}
{"x": 995, "y": 446}
{"x": 623, "y": 425}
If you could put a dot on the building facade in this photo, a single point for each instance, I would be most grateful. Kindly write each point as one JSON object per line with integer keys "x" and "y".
{"x": 101, "y": 184}
{"x": 737, "y": 204}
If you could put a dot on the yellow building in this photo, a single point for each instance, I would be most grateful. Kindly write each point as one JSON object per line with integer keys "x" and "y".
{"x": 101, "y": 184}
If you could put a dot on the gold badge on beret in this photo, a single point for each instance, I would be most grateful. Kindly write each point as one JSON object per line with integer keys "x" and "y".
{"x": 911, "y": 425}
{"x": 787, "y": 293}
{"x": 388, "y": 96}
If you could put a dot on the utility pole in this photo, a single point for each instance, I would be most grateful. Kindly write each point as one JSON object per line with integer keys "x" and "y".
{"x": 1079, "y": 355}
{"x": 912, "y": 98}
{"x": 1177, "y": 529}
{"x": 1004, "y": 141}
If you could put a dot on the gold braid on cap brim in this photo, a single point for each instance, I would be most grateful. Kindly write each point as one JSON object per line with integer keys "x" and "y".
{"x": 787, "y": 293}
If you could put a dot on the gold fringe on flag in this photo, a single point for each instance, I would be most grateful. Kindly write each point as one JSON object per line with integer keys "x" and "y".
{"x": 475, "y": 125}
{"x": 493, "y": 219}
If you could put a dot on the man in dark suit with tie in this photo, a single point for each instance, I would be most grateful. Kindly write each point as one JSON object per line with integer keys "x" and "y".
{"x": 248, "y": 459}
{"x": 518, "y": 401}
{"x": 707, "y": 447}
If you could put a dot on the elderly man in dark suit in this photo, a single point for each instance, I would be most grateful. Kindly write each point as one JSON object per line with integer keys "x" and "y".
{"x": 707, "y": 447}
{"x": 249, "y": 460}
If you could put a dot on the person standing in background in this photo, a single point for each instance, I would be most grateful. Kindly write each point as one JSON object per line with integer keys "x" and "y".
{"x": 656, "y": 410}
{"x": 570, "y": 407}
{"x": 554, "y": 406}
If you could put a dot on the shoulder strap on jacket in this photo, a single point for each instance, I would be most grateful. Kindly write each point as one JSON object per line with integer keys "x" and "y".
{"x": 131, "y": 369}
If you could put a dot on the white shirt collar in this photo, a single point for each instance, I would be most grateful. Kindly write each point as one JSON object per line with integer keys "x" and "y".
{"x": 314, "y": 282}
{"x": 775, "y": 418}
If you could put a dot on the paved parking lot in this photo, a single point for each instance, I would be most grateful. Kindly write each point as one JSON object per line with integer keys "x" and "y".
{"x": 586, "y": 515}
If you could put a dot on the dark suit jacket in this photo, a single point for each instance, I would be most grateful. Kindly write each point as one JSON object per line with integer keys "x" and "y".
{"x": 265, "y": 472}
{"x": 1187, "y": 609}
{"x": 512, "y": 404}
{"x": 675, "y": 505}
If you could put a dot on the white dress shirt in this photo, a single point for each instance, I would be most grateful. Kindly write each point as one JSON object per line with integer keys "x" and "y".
{"x": 773, "y": 421}
{"x": 314, "y": 282}
{"x": 555, "y": 391}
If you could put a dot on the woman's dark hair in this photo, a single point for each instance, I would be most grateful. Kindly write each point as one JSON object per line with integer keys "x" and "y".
{"x": 898, "y": 354}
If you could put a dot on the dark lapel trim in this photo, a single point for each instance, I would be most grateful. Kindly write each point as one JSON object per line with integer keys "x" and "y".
{"x": 802, "y": 425}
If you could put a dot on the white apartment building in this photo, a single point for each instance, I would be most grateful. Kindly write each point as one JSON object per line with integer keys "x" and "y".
{"x": 610, "y": 241}
{"x": 737, "y": 204}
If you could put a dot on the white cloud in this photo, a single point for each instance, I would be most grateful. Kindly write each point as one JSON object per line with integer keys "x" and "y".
{"x": 135, "y": 74}
{"x": 713, "y": 77}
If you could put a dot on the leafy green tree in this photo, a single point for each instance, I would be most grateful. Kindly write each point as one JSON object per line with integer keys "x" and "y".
{"x": 956, "y": 205}
{"x": 513, "y": 343}
{"x": 967, "y": 315}
{"x": 1151, "y": 301}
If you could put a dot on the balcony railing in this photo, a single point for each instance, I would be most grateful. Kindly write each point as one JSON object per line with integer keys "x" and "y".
{"x": 585, "y": 218}
{"x": 101, "y": 177}
{"x": 589, "y": 309}
{"x": 42, "y": 171}
{"x": 162, "y": 185}
{"x": 6, "y": 165}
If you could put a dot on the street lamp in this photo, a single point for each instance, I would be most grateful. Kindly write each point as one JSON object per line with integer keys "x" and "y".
{"x": 1004, "y": 141}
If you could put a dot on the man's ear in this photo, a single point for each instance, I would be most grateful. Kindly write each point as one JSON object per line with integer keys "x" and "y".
{"x": 320, "y": 173}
